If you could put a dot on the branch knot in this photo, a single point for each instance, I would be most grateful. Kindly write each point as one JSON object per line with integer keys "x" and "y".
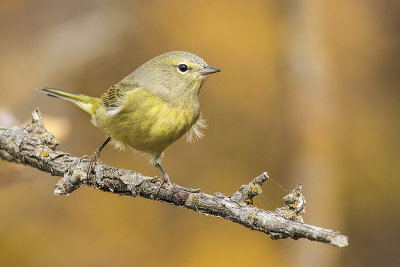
{"x": 246, "y": 193}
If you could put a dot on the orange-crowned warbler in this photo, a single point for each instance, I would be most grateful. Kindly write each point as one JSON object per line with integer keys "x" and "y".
{"x": 150, "y": 108}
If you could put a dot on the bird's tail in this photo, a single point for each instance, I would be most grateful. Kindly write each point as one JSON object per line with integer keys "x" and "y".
{"x": 87, "y": 103}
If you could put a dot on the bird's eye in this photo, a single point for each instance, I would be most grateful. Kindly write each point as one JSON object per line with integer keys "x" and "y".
{"x": 182, "y": 67}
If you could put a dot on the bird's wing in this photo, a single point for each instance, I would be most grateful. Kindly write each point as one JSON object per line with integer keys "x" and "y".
{"x": 114, "y": 96}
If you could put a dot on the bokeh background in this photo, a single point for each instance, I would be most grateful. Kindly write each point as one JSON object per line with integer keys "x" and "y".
{"x": 309, "y": 93}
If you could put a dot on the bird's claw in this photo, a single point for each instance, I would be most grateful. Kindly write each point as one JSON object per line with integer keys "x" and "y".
{"x": 94, "y": 159}
{"x": 85, "y": 157}
{"x": 162, "y": 180}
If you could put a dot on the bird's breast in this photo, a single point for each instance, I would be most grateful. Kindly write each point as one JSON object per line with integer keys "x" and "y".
{"x": 150, "y": 124}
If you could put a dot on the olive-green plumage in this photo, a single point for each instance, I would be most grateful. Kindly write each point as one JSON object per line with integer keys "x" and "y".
{"x": 152, "y": 107}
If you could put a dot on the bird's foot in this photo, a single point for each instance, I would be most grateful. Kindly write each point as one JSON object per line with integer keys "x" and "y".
{"x": 93, "y": 160}
{"x": 164, "y": 179}
{"x": 84, "y": 158}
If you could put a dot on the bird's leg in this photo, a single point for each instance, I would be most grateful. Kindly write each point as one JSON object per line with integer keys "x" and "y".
{"x": 96, "y": 156}
{"x": 165, "y": 176}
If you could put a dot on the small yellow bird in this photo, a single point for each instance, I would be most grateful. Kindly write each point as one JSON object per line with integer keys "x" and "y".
{"x": 150, "y": 108}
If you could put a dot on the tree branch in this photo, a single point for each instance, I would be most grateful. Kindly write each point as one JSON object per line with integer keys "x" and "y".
{"x": 33, "y": 145}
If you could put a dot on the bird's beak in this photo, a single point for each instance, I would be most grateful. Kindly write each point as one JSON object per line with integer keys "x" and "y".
{"x": 208, "y": 70}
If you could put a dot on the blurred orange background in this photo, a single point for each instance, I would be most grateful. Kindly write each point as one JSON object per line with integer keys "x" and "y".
{"x": 309, "y": 93}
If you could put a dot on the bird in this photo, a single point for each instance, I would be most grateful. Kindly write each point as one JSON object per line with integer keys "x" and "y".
{"x": 149, "y": 109}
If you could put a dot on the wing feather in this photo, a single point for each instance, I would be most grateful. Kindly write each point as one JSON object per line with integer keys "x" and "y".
{"x": 112, "y": 98}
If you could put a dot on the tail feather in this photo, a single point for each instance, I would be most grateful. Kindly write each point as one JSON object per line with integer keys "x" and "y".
{"x": 87, "y": 103}
{"x": 69, "y": 96}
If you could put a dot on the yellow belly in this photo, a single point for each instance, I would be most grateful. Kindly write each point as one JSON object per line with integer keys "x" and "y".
{"x": 146, "y": 122}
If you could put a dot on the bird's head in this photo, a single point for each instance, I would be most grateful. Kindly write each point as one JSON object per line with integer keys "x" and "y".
{"x": 173, "y": 74}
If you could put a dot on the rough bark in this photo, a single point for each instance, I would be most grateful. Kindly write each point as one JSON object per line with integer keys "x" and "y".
{"x": 34, "y": 146}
